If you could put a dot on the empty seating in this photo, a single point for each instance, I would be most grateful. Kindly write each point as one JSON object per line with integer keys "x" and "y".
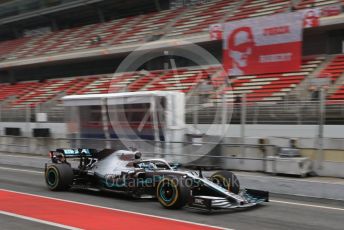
{"x": 34, "y": 93}
{"x": 338, "y": 95}
{"x": 268, "y": 87}
{"x": 334, "y": 69}
{"x": 151, "y": 24}
{"x": 198, "y": 18}
{"x": 182, "y": 80}
{"x": 272, "y": 87}
{"x": 67, "y": 40}
{"x": 43, "y": 92}
{"x": 112, "y": 83}
{"x": 253, "y": 8}
{"x": 145, "y": 79}
{"x": 17, "y": 90}
{"x": 141, "y": 28}
{"x": 7, "y": 47}
{"x": 315, "y": 3}
{"x": 128, "y": 30}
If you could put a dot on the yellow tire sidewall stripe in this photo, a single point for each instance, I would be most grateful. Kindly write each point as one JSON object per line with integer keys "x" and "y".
{"x": 176, "y": 189}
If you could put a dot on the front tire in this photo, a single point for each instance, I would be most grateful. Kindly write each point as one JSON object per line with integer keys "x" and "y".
{"x": 171, "y": 193}
{"x": 59, "y": 176}
{"x": 227, "y": 180}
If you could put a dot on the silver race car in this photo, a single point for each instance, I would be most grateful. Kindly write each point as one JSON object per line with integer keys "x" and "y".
{"x": 124, "y": 171}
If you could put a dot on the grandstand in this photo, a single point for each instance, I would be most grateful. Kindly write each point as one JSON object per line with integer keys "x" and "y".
{"x": 51, "y": 49}
{"x": 338, "y": 94}
{"x": 253, "y": 87}
{"x": 33, "y": 76}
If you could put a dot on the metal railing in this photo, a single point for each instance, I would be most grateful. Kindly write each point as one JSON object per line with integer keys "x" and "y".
{"x": 215, "y": 157}
{"x": 26, "y": 114}
{"x": 291, "y": 112}
{"x": 224, "y": 155}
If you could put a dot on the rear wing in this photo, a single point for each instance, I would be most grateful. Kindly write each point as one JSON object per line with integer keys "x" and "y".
{"x": 74, "y": 153}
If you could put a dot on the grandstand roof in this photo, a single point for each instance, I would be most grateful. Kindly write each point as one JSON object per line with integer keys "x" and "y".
{"x": 67, "y": 14}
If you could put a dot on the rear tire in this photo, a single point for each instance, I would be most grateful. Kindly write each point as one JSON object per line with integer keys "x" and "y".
{"x": 59, "y": 176}
{"x": 172, "y": 193}
{"x": 227, "y": 180}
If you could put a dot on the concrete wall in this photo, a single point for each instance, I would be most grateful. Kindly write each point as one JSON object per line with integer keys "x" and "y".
{"x": 57, "y": 130}
{"x": 253, "y": 131}
{"x": 37, "y": 146}
{"x": 302, "y": 187}
{"x": 301, "y": 131}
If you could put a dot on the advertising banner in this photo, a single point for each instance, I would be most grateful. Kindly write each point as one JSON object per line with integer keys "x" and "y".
{"x": 311, "y": 17}
{"x": 215, "y": 31}
{"x": 269, "y": 44}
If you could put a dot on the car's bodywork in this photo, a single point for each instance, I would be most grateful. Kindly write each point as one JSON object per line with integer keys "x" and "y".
{"x": 124, "y": 171}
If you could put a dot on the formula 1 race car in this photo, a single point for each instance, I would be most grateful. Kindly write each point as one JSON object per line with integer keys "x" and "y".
{"x": 124, "y": 171}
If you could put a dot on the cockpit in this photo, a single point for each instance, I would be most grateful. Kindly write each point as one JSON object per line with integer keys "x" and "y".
{"x": 125, "y": 161}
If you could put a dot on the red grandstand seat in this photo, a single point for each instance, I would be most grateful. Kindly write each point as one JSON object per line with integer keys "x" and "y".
{"x": 271, "y": 86}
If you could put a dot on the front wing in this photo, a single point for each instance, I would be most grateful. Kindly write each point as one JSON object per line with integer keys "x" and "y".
{"x": 252, "y": 197}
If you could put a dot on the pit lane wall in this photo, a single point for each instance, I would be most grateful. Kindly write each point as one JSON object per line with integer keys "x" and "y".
{"x": 332, "y": 163}
{"x": 59, "y": 130}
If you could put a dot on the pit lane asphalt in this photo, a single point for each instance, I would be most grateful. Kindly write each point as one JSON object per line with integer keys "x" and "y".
{"x": 10, "y": 223}
{"x": 284, "y": 212}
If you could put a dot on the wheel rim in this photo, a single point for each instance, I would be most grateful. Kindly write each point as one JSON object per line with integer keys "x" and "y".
{"x": 52, "y": 178}
{"x": 223, "y": 182}
{"x": 167, "y": 192}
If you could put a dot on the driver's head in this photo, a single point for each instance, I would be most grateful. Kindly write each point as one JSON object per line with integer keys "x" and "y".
{"x": 138, "y": 155}
{"x": 240, "y": 45}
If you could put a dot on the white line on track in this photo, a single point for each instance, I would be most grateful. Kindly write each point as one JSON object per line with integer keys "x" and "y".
{"x": 242, "y": 174}
{"x": 21, "y": 170}
{"x": 118, "y": 210}
{"x": 38, "y": 220}
{"x": 307, "y": 205}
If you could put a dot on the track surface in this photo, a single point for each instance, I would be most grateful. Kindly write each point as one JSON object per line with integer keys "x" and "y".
{"x": 280, "y": 213}
{"x": 8, "y": 222}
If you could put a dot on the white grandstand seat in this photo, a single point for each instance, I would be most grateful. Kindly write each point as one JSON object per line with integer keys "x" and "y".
{"x": 150, "y": 24}
{"x": 7, "y": 47}
{"x": 253, "y": 8}
{"x": 268, "y": 87}
{"x": 73, "y": 39}
{"x": 144, "y": 80}
{"x": 43, "y": 92}
{"x": 334, "y": 69}
{"x": 198, "y": 18}
{"x": 258, "y": 88}
{"x": 136, "y": 29}
{"x": 17, "y": 90}
{"x": 303, "y": 4}
{"x": 182, "y": 80}
{"x": 338, "y": 95}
